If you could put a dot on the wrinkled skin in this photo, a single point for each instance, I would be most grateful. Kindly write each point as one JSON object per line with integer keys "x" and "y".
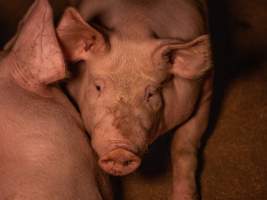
{"x": 44, "y": 152}
{"x": 142, "y": 69}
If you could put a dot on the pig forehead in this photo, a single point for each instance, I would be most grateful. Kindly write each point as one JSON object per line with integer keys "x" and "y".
{"x": 130, "y": 62}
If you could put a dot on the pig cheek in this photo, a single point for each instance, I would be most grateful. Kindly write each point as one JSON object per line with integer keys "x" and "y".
{"x": 88, "y": 117}
{"x": 143, "y": 115}
{"x": 150, "y": 122}
{"x": 91, "y": 111}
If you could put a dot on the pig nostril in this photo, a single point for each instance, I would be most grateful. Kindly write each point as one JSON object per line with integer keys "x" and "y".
{"x": 128, "y": 162}
{"x": 119, "y": 162}
{"x": 108, "y": 162}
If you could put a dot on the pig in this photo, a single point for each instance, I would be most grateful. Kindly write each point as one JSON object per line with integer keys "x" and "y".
{"x": 44, "y": 150}
{"x": 141, "y": 69}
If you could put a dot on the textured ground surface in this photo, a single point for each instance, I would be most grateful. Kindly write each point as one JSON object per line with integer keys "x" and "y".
{"x": 234, "y": 161}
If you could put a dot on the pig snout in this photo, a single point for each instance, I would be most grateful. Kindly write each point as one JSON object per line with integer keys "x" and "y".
{"x": 119, "y": 162}
{"x": 118, "y": 144}
{"x": 117, "y": 157}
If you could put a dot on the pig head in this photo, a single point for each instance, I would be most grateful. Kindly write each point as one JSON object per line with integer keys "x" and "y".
{"x": 134, "y": 80}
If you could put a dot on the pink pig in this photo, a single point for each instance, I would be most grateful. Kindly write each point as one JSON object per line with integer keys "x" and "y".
{"x": 143, "y": 68}
{"x": 44, "y": 152}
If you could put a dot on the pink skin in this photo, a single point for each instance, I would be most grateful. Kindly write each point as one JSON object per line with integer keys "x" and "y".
{"x": 133, "y": 84}
{"x": 44, "y": 152}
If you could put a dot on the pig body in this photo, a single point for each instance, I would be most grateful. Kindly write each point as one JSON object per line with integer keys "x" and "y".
{"x": 143, "y": 69}
{"x": 44, "y": 151}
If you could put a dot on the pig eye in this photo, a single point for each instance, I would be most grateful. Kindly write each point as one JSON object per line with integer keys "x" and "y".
{"x": 98, "y": 88}
{"x": 153, "y": 98}
{"x": 99, "y": 85}
{"x": 150, "y": 92}
{"x": 150, "y": 95}
{"x": 168, "y": 56}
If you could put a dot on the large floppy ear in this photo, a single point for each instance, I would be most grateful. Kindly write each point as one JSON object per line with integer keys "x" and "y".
{"x": 79, "y": 40}
{"x": 36, "y": 51}
{"x": 189, "y": 60}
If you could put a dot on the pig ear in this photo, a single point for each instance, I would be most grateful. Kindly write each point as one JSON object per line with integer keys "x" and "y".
{"x": 35, "y": 50}
{"x": 78, "y": 39}
{"x": 191, "y": 60}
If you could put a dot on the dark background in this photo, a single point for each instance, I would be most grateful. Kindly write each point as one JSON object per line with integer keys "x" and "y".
{"x": 233, "y": 161}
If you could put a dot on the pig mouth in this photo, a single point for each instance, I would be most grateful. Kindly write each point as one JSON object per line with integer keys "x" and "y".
{"x": 119, "y": 162}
